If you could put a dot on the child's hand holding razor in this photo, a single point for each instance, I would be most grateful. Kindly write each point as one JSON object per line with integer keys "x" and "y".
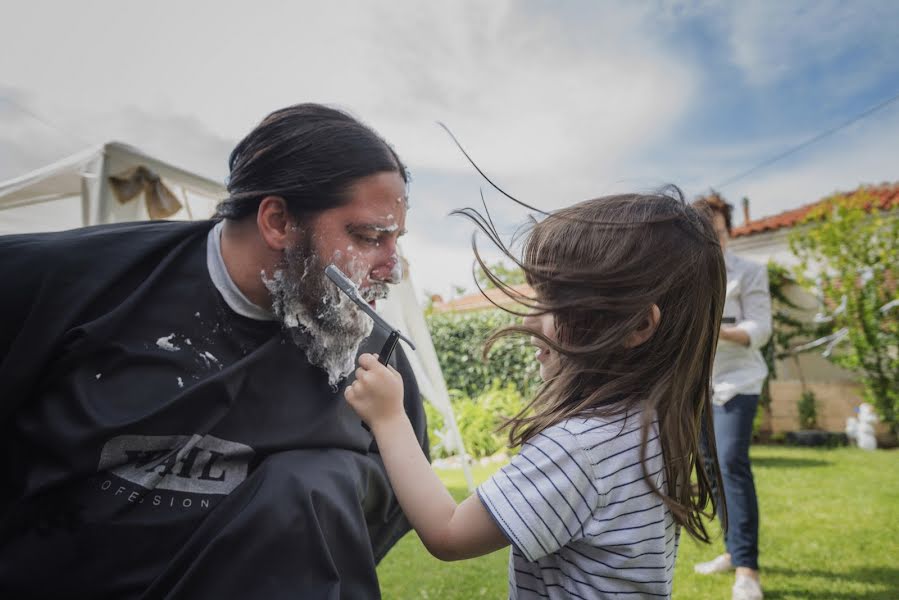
{"x": 377, "y": 393}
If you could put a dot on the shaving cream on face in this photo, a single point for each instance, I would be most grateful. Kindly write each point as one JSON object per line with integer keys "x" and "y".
{"x": 318, "y": 316}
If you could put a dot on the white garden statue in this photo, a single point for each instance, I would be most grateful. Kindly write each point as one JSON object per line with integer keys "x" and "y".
{"x": 861, "y": 430}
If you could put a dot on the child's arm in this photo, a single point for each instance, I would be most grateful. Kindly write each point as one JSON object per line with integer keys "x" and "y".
{"x": 449, "y": 531}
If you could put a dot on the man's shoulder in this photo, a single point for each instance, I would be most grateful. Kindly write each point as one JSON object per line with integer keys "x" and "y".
{"x": 107, "y": 238}
{"x": 131, "y": 230}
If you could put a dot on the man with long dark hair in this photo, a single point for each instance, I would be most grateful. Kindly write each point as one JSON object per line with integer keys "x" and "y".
{"x": 171, "y": 393}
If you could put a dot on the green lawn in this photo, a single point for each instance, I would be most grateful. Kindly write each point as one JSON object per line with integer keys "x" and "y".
{"x": 829, "y": 529}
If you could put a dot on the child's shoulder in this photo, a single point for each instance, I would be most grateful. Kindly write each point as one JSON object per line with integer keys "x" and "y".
{"x": 608, "y": 440}
{"x": 599, "y": 428}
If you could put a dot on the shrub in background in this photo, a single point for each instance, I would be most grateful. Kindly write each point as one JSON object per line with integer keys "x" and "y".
{"x": 478, "y": 419}
{"x": 459, "y": 341}
{"x": 808, "y": 411}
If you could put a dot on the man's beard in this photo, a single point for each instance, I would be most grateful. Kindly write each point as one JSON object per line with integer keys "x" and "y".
{"x": 321, "y": 319}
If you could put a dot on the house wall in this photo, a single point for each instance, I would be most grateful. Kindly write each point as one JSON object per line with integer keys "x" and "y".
{"x": 836, "y": 390}
{"x": 762, "y": 247}
{"x": 835, "y": 402}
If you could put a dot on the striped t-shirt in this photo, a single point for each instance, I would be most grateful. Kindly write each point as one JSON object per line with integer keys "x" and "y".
{"x": 582, "y": 521}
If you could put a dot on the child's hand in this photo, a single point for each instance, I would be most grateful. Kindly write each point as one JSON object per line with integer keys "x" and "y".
{"x": 377, "y": 393}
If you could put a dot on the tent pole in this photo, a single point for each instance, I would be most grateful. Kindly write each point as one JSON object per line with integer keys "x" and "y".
{"x": 190, "y": 214}
{"x": 466, "y": 467}
{"x": 85, "y": 203}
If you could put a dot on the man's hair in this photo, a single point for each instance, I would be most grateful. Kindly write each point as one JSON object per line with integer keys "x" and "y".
{"x": 714, "y": 203}
{"x": 598, "y": 267}
{"x": 308, "y": 155}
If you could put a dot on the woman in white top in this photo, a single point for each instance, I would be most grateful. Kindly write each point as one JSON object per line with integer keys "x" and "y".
{"x": 738, "y": 375}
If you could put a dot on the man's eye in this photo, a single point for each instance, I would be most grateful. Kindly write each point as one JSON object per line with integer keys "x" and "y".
{"x": 366, "y": 239}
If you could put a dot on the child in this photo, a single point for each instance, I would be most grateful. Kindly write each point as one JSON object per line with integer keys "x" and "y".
{"x": 628, "y": 291}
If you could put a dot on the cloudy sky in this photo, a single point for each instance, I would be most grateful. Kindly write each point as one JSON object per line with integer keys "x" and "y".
{"x": 557, "y": 101}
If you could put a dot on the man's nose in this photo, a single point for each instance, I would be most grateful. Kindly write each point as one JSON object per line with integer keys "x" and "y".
{"x": 387, "y": 267}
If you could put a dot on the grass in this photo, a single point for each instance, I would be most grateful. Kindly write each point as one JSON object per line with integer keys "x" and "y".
{"x": 829, "y": 529}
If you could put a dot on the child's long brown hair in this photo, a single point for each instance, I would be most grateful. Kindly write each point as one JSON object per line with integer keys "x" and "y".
{"x": 598, "y": 267}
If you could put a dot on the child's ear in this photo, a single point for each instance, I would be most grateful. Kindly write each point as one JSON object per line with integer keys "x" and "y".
{"x": 647, "y": 328}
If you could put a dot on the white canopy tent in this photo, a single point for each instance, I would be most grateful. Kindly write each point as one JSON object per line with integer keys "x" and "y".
{"x": 117, "y": 183}
{"x": 75, "y": 192}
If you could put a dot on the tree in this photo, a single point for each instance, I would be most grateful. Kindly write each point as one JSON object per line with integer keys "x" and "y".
{"x": 849, "y": 250}
{"x": 506, "y": 274}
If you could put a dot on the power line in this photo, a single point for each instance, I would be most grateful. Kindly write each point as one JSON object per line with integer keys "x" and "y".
{"x": 808, "y": 142}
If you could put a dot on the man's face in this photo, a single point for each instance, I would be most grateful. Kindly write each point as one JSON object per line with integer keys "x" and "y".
{"x": 360, "y": 238}
{"x": 720, "y": 224}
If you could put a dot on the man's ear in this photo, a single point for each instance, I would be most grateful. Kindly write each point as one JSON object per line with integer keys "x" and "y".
{"x": 647, "y": 328}
{"x": 276, "y": 225}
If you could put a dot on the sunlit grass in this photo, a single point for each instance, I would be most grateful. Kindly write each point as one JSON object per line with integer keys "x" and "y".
{"x": 829, "y": 529}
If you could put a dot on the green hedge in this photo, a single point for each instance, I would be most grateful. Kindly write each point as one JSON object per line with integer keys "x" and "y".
{"x": 483, "y": 393}
{"x": 459, "y": 342}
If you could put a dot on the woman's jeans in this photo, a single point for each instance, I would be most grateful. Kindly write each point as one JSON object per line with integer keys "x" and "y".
{"x": 733, "y": 432}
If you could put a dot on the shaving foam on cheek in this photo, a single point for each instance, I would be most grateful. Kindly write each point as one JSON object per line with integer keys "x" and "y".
{"x": 356, "y": 270}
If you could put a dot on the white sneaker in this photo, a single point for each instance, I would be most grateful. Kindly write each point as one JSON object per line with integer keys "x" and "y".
{"x": 719, "y": 564}
{"x": 747, "y": 588}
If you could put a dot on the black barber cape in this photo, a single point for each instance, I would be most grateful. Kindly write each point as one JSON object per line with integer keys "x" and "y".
{"x": 157, "y": 444}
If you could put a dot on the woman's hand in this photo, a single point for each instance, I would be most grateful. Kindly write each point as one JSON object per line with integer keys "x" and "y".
{"x": 377, "y": 393}
{"x": 734, "y": 334}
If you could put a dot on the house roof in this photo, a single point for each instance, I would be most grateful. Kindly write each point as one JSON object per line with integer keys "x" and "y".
{"x": 885, "y": 195}
{"x": 477, "y": 301}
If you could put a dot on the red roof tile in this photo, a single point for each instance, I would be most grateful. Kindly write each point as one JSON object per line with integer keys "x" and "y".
{"x": 477, "y": 301}
{"x": 885, "y": 195}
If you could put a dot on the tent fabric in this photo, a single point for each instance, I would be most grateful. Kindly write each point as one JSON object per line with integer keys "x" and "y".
{"x": 76, "y": 192}
{"x": 161, "y": 202}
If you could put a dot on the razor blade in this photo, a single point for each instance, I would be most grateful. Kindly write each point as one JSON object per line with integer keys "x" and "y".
{"x": 345, "y": 285}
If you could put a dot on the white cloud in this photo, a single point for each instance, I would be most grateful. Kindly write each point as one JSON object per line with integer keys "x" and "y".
{"x": 438, "y": 268}
{"x": 864, "y": 153}
{"x": 774, "y": 41}
{"x": 509, "y": 82}
{"x": 867, "y": 153}
{"x": 521, "y": 96}
{"x": 557, "y": 102}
